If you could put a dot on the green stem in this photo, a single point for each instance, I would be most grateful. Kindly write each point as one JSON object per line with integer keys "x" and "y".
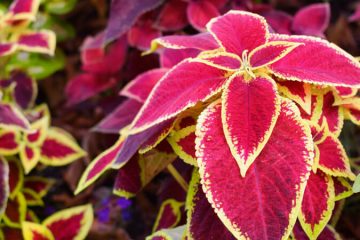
{"x": 178, "y": 177}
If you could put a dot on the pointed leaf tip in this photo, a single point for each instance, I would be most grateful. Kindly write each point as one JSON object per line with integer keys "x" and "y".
{"x": 247, "y": 131}
{"x": 248, "y": 31}
{"x": 79, "y": 218}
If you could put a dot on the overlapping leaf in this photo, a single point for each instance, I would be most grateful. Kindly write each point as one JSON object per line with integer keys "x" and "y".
{"x": 247, "y": 131}
{"x": 140, "y": 170}
{"x": 318, "y": 203}
{"x": 77, "y": 221}
{"x": 4, "y": 186}
{"x": 169, "y": 215}
{"x": 99, "y": 165}
{"x": 123, "y": 14}
{"x": 259, "y": 202}
{"x": 59, "y": 148}
{"x": 15, "y": 211}
{"x": 202, "y": 221}
{"x": 182, "y": 87}
{"x": 34, "y": 231}
{"x": 331, "y": 66}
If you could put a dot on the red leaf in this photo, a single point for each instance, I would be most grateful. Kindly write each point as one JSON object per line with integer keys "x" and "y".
{"x": 9, "y": 142}
{"x": 342, "y": 188}
{"x": 202, "y": 221}
{"x": 140, "y": 87}
{"x": 15, "y": 211}
{"x": 141, "y": 35}
{"x": 128, "y": 180}
{"x": 169, "y": 214}
{"x": 99, "y": 165}
{"x": 222, "y": 60}
{"x": 312, "y": 20}
{"x": 333, "y": 115}
{"x": 24, "y": 7}
{"x": 169, "y": 234}
{"x": 16, "y": 177}
{"x": 32, "y": 198}
{"x": 34, "y": 231}
{"x": 171, "y": 57}
{"x": 333, "y": 159}
{"x": 299, "y": 92}
{"x": 182, "y": 87}
{"x": 183, "y": 143}
{"x": 199, "y": 13}
{"x": 247, "y": 31}
{"x": 247, "y": 131}
{"x": 284, "y": 169}
{"x": 353, "y": 114}
{"x": 43, "y": 41}
{"x": 139, "y": 171}
{"x": 279, "y": 21}
{"x": 317, "y": 205}
{"x": 201, "y": 41}
{"x": 331, "y": 66}
{"x": 111, "y": 62}
{"x": 38, "y": 184}
{"x": 119, "y": 118}
{"x": 123, "y": 15}
{"x": 156, "y": 139}
{"x": 173, "y": 16}
{"x": 219, "y": 3}
{"x": 270, "y": 52}
{"x": 346, "y": 92}
{"x": 59, "y": 148}
{"x": 77, "y": 221}
{"x": 92, "y": 49}
{"x": 29, "y": 157}
{"x": 86, "y": 85}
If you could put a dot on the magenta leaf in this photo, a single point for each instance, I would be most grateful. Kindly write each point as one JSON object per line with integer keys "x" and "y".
{"x": 86, "y": 85}
{"x": 140, "y": 87}
{"x": 119, "y": 118}
{"x": 123, "y": 15}
{"x": 11, "y": 116}
{"x": 133, "y": 142}
{"x": 312, "y": 20}
{"x": 172, "y": 16}
{"x": 200, "y": 12}
{"x": 111, "y": 62}
{"x": 25, "y": 89}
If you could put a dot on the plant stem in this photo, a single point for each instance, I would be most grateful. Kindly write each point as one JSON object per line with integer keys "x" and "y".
{"x": 178, "y": 177}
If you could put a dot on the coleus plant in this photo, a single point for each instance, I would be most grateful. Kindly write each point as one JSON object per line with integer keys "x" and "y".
{"x": 147, "y": 20}
{"x": 78, "y": 219}
{"x": 49, "y": 145}
{"x": 27, "y": 139}
{"x": 16, "y": 36}
{"x": 265, "y": 117}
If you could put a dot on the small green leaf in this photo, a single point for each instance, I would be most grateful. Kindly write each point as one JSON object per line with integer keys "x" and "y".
{"x": 356, "y": 186}
{"x": 35, "y": 65}
{"x": 60, "y": 6}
